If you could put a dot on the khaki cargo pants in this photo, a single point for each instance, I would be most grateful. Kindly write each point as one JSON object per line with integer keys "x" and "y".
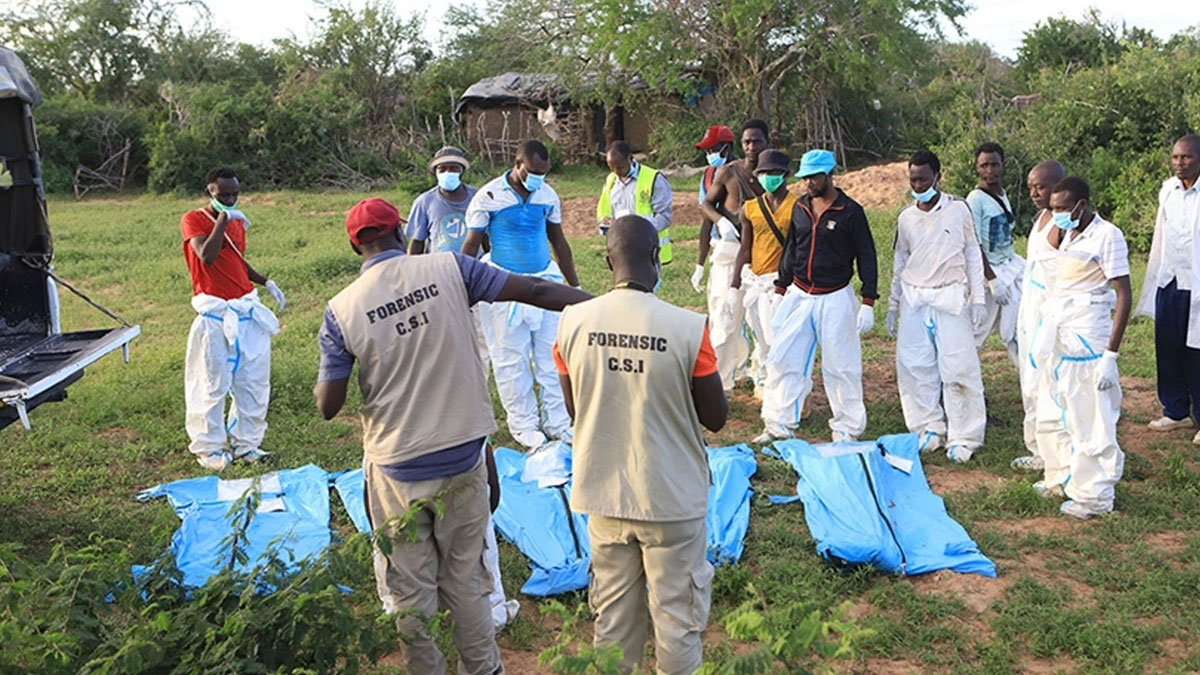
{"x": 639, "y": 565}
{"x": 442, "y": 569}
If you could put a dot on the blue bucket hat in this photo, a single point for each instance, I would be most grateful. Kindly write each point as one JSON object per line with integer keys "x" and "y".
{"x": 816, "y": 161}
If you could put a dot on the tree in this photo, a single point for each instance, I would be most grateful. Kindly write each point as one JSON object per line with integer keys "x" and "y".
{"x": 1067, "y": 45}
{"x": 100, "y": 50}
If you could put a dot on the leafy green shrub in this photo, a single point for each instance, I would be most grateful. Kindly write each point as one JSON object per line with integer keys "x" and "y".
{"x": 674, "y": 143}
{"x": 83, "y": 610}
{"x": 74, "y": 132}
{"x": 791, "y": 637}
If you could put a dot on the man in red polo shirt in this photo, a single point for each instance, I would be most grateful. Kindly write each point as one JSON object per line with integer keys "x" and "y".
{"x": 229, "y": 346}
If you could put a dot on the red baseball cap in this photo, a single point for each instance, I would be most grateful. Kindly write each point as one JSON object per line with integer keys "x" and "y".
{"x": 717, "y": 134}
{"x": 375, "y": 212}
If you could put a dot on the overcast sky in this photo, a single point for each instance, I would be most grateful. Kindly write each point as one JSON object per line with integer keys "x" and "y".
{"x": 999, "y": 23}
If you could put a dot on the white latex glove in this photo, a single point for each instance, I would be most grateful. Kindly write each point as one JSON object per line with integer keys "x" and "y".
{"x": 1106, "y": 371}
{"x": 866, "y": 319}
{"x": 1002, "y": 294}
{"x": 697, "y": 278}
{"x": 978, "y": 316}
{"x": 273, "y": 289}
{"x": 235, "y": 214}
{"x": 891, "y": 321}
{"x": 726, "y": 230}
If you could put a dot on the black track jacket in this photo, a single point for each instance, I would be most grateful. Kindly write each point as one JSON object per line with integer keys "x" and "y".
{"x": 821, "y": 249}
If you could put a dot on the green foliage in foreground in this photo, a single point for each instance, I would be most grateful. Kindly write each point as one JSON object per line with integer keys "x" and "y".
{"x": 82, "y": 610}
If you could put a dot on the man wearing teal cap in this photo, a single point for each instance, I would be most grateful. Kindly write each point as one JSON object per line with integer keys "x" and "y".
{"x": 828, "y": 236}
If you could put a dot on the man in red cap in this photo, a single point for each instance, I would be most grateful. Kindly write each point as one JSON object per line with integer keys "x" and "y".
{"x": 725, "y": 325}
{"x": 733, "y": 186}
{"x": 426, "y": 412}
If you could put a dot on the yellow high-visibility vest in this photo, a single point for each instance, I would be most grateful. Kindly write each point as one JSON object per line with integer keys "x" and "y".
{"x": 641, "y": 206}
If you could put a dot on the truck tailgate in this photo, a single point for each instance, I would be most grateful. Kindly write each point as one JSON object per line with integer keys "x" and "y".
{"x": 34, "y": 366}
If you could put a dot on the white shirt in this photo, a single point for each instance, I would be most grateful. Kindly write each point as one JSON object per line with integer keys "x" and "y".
{"x": 1179, "y": 214}
{"x": 1089, "y": 260}
{"x": 937, "y": 248}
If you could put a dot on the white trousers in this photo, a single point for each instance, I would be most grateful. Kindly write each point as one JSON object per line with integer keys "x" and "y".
{"x": 503, "y": 609}
{"x": 728, "y": 336}
{"x": 760, "y": 300}
{"x": 937, "y": 366}
{"x": 520, "y": 339}
{"x": 1003, "y": 319}
{"x": 228, "y": 357}
{"x": 1076, "y": 422}
{"x": 802, "y": 323}
{"x": 1032, "y": 296}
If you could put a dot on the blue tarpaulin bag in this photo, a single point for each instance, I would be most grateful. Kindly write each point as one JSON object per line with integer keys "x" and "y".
{"x": 729, "y": 496}
{"x": 867, "y": 503}
{"x": 291, "y": 522}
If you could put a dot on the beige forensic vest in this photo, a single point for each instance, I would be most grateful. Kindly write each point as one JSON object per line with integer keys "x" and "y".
{"x": 639, "y": 451}
{"x": 407, "y": 321}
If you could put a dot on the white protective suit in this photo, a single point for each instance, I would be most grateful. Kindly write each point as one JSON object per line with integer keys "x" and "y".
{"x": 520, "y": 339}
{"x": 760, "y": 301}
{"x": 228, "y": 354}
{"x": 1004, "y": 318}
{"x": 726, "y": 314}
{"x": 1038, "y": 278}
{"x": 1076, "y": 422}
{"x": 937, "y": 365}
{"x": 803, "y": 322}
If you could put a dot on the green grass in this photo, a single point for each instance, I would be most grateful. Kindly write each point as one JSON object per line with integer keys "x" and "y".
{"x": 1116, "y": 595}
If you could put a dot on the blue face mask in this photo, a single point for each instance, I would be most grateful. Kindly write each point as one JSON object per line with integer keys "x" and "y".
{"x": 533, "y": 181}
{"x": 219, "y": 207}
{"x": 658, "y": 271}
{"x": 1062, "y": 219}
{"x": 925, "y": 196}
{"x": 449, "y": 180}
{"x": 632, "y": 170}
{"x": 715, "y": 159}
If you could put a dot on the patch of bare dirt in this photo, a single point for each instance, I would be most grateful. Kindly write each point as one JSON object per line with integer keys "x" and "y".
{"x": 118, "y": 435}
{"x": 1170, "y": 542}
{"x": 945, "y": 480}
{"x": 1045, "y": 567}
{"x": 1044, "y": 526}
{"x": 579, "y": 214}
{"x": 977, "y": 592}
{"x": 1174, "y": 652}
{"x": 521, "y": 661}
{"x": 1139, "y": 404}
{"x": 887, "y": 667}
{"x": 1049, "y": 666}
{"x": 880, "y": 186}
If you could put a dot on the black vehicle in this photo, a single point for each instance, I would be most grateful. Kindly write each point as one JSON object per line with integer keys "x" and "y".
{"x": 37, "y": 360}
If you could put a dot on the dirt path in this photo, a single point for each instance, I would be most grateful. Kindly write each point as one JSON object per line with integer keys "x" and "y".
{"x": 881, "y": 186}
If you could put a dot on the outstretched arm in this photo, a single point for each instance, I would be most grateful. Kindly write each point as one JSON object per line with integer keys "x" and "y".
{"x": 540, "y": 293}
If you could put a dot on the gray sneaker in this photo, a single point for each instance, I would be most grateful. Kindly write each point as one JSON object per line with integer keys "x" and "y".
{"x": 1029, "y": 463}
{"x": 215, "y": 461}
{"x": 251, "y": 455}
